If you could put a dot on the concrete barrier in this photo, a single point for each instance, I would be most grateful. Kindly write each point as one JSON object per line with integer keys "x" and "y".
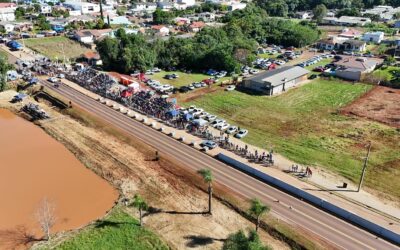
{"x": 327, "y": 206}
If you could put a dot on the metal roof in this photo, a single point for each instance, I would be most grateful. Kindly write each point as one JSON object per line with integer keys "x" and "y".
{"x": 277, "y": 77}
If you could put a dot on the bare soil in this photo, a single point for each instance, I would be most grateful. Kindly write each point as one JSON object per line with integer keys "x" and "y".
{"x": 380, "y": 104}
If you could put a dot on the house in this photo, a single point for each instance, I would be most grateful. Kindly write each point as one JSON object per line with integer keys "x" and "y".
{"x": 7, "y": 11}
{"x": 83, "y": 7}
{"x": 236, "y": 6}
{"x": 8, "y": 27}
{"x": 385, "y": 13}
{"x": 373, "y": 37}
{"x": 303, "y": 15}
{"x": 118, "y": 20}
{"x": 165, "y": 6}
{"x": 188, "y": 3}
{"x": 196, "y": 26}
{"x": 160, "y": 30}
{"x": 181, "y": 21}
{"x": 352, "y": 45}
{"x": 276, "y": 81}
{"x": 90, "y": 36}
{"x": 144, "y": 7}
{"x": 352, "y": 68}
{"x": 45, "y": 9}
{"x": 350, "y": 33}
{"x": 331, "y": 43}
{"x": 206, "y": 16}
{"x": 346, "y": 21}
{"x": 92, "y": 58}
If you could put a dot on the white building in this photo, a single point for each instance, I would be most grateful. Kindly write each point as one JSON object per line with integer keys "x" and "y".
{"x": 236, "y": 6}
{"x": 7, "y": 11}
{"x": 347, "y": 21}
{"x": 144, "y": 7}
{"x": 45, "y": 9}
{"x": 187, "y": 2}
{"x": 9, "y": 27}
{"x": 374, "y": 37}
{"x": 83, "y": 7}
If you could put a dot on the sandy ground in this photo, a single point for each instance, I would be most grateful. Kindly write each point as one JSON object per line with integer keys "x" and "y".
{"x": 380, "y": 104}
{"x": 180, "y": 223}
{"x": 35, "y": 167}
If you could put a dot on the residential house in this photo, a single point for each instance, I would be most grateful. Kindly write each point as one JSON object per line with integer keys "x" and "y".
{"x": 236, "y": 6}
{"x": 331, "y": 43}
{"x": 352, "y": 45}
{"x": 8, "y": 27}
{"x": 160, "y": 30}
{"x": 118, "y": 20}
{"x": 7, "y": 11}
{"x": 303, "y": 15}
{"x": 144, "y": 7}
{"x": 353, "y": 68}
{"x": 350, "y": 33}
{"x": 385, "y": 13}
{"x": 373, "y": 37}
{"x": 83, "y": 7}
{"x": 196, "y": 26}
{"x": 90, "y": 36}
{"x": 188, "y": 3}
{"x": 165, "y": 6}
{"x": 206, "y": 16}
{"x": 276, "y": 81}
{"x": 181, "y": 21}
{"x": 92, "y": 58}
{"x": 346, "y": 21}
{"x": 45, "y": 9}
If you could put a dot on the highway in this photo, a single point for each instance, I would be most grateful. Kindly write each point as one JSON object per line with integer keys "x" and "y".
{"x": 333, "y": 230}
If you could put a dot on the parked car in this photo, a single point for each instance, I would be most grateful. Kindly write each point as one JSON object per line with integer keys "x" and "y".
{"x": 222, "y": 126}
{"x": 313, "y": 76}
{"x": 242, "y": 133}
{"x": 197, "y": 85}
{"x": 217, "y": 122}
{"x": 61, "y": 76}
{"x": 231, "y": 130}
{"x": 53, "y": 79}
{"x": 209, "y": 144}
{"x": 184, "y": 89}
{"x": 211, "y": 118}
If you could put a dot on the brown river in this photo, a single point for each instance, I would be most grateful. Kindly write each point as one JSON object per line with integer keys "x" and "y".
{"x": 33, "y": 167}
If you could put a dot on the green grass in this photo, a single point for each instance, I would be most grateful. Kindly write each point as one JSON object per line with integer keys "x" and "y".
{"x": 304, "y": 125}
{"x": 388, "y": 73}
{"x": 266, "y": 56}
{"x": 52, "y": 47}
{"x": 117, "y": 231}
{"x": 183, "y": 80}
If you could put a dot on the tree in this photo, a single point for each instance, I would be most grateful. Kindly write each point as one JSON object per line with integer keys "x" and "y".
{"x": 257, "y": 209}
{"x": 45, "y": 215}
{"x": 208, "y": 179}
{"x": 239, "y": 241}
{"x": 320, "y": 12}
{"x": 4, "y": 67}
{"x": 139, "y": 203}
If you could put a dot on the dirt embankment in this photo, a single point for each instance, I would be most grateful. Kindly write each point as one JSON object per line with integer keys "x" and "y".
{"x": 178, "y": 206}
{"x": 380, "y": 104}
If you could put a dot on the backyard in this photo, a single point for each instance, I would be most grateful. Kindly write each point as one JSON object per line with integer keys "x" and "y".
{"x": 304, "y": 124}
{"x": 56, "y": 47}
{"x": 116, "y": 231}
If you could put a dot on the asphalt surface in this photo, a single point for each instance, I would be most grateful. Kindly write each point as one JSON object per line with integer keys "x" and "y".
{"x": 333, "y": 230}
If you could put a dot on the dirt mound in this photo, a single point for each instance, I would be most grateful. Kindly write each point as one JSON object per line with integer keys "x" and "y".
{"x": 381, "y": 104}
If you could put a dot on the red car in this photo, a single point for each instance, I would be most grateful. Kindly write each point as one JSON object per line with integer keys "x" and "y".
{"x": 319, "y": 69}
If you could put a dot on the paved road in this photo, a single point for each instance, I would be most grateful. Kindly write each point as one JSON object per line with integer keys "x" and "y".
{"x": 337, "y": 232}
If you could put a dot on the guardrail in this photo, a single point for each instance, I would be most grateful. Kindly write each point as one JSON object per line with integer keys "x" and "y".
{"x": 327, "y": 206}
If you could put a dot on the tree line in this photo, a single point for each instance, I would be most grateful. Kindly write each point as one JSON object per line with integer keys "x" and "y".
{"x": 225, "y": 48}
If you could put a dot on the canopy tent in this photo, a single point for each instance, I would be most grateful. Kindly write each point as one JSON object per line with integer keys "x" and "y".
{"x": 187, "y": 116}
{"x": 173, "y": 112}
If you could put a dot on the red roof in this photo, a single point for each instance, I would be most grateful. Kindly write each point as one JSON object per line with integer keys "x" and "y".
{"x": 157, "y": 27}
{"x": 350, "y": 32}
{"x": 7, "y": 5}
{"x": 91, "y": 55}
{"x": 199, "y": 24}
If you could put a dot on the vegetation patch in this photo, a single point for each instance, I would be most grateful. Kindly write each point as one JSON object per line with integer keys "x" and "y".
{"x": 56, "y": 47}
{"x": 304, "y": 125}
{"x": 117, "y": 231}
{"x": 184, "y": 79}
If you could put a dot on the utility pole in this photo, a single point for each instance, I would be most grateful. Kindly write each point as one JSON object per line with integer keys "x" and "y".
{"x": 364, "y": 167}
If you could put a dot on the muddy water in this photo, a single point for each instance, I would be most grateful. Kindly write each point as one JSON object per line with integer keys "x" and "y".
{"x": 34, "y": 166}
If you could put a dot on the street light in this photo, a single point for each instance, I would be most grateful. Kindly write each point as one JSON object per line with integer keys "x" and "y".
{"x": 364, "y": 167}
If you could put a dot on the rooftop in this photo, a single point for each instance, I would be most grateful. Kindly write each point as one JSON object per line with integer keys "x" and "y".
{"x": 278, "y": 76}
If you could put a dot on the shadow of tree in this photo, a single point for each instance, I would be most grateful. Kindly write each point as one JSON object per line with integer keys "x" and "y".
{"x": 199, "y": 240}
{"x": 108, "y": 223}
{"x": 17, "y": 237}
{"x": 153, "y": 210}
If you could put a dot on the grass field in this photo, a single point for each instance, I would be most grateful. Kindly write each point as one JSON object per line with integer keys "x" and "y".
{"x": 183, "y": 80}
{"x": 53, "y": 47}
{"x": 388, "y": 73}
{"x": 304, "y": 125}
{"x": 117, "y": 231}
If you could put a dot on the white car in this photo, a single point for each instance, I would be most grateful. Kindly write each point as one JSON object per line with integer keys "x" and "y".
{"x": 197, "y": 85}
{"x": 211, "y": 118}
{"x": 230, "y": 88}
{"x": 53, "y": 79}
{"x": 242, "y": 133}
{"x": 197, "y": 112}
{"x": 231, "y": 130}
{"x": 217, "y": 122}
{"x": 280, "y": 62}
{"x": 61, "y": 76}
{"x": 223, "y": 126}
{"x": 191, "y": 108}
{"x": 166, "y": 87}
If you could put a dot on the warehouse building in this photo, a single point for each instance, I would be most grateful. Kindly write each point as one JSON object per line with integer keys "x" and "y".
{"x": 276, "y": 81}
